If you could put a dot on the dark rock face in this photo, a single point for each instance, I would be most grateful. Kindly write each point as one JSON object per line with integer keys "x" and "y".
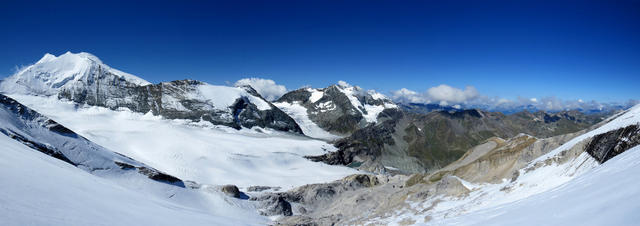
{"x": 231, "y": 190}
{"x": 607, "y": 145}
{"x": 430, "y": 141}
{"x": 176, "y": 100}
{"x": 367, "y": 143}
{"x": 153, "y": 174}
{"x": 156, "y": 175}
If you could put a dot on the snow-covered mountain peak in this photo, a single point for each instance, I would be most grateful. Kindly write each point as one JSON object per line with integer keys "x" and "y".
{"x": 52, "y": 73}
{"x": 338, "y": 109}
{"x": 46, "y": 58}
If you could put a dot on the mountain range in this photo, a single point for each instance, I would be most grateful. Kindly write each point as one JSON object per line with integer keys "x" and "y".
{"x": 186, "y": 151}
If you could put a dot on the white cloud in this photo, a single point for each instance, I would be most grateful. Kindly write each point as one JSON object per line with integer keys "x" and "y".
{"x": 442, "y": 94}
{"x": 470, "y": 98}
{"x": 448, "y": 94}
{"x": 265, "y": 87}
{"x": 343, "y": 84}
{"x": 408, "y": 96}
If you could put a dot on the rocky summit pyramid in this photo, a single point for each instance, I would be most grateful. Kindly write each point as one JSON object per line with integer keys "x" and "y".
{"x": 334, "y": 111}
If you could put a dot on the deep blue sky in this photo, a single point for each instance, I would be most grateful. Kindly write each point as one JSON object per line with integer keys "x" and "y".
{"x": 575, "y": 49}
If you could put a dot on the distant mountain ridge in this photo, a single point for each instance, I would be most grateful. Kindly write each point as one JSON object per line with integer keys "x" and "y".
{"x": 586, "y": 108}
{"x": 84, "y": 79}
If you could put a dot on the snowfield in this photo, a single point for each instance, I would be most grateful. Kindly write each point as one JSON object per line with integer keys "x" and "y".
{"x": 300, "y": 115}
{"x": 607, "y": 195}
{"x": 221, "y": 97}
{"x": 199, "y": 152}
{"x": 40, "y": 190}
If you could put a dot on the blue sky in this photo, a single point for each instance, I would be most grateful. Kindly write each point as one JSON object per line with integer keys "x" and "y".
{"x": 572, "y": 50}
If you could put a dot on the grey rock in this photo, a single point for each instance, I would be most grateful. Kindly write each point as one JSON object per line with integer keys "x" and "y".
{"x": 273, "y": 204}
{"x": 607, "y": 145}
{"x": 114, "y": 94}
{"x": 261, "y": 188}
{"x": 231, "y": 190}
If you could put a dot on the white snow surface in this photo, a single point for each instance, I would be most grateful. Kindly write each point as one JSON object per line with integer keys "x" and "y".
{"x": 52, "y": 73}
{"x": 300, "y": 115}
{"x": 221, "y": 97}
{"x": 40, "y": 190}
{"x": 198, "y": 152}
{"x": 607, "y": 195}
{"x": 315, "y": 95}
{"x": 491, "y": 204}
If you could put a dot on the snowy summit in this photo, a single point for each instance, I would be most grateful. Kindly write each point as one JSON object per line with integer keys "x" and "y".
{"x": 51, "y": 74}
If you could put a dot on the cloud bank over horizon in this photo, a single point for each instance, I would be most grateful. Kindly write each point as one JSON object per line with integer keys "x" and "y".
{"x": 467, "y": 97}
{"x": 470, "y": 97}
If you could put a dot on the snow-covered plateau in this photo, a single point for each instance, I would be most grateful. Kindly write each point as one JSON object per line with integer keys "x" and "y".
{"x": 199, "y": 152}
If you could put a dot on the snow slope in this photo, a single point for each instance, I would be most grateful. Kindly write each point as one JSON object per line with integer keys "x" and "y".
{"x": 371, "y": 111}
{"x": 40, "y": 190}
{"x": 607, "y": 195}
{"x": 51, "y": 73}
{"x": 300, "y": 115}
{"x": 39, "y": 132}
{"x": 198, "y": 152}
{"x": 222, "y": 97}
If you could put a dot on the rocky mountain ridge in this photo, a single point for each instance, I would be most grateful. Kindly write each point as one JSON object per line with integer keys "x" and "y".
{"x": 413, "y": 143}
{"x": 84, "y": 79}
{"x": 338, "y": 109}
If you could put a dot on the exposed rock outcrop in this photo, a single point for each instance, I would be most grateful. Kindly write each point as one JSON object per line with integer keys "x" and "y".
{"x": 230, "y": 190}
{"x": 607, "y": 145}
{"x": 312, "y": 197}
